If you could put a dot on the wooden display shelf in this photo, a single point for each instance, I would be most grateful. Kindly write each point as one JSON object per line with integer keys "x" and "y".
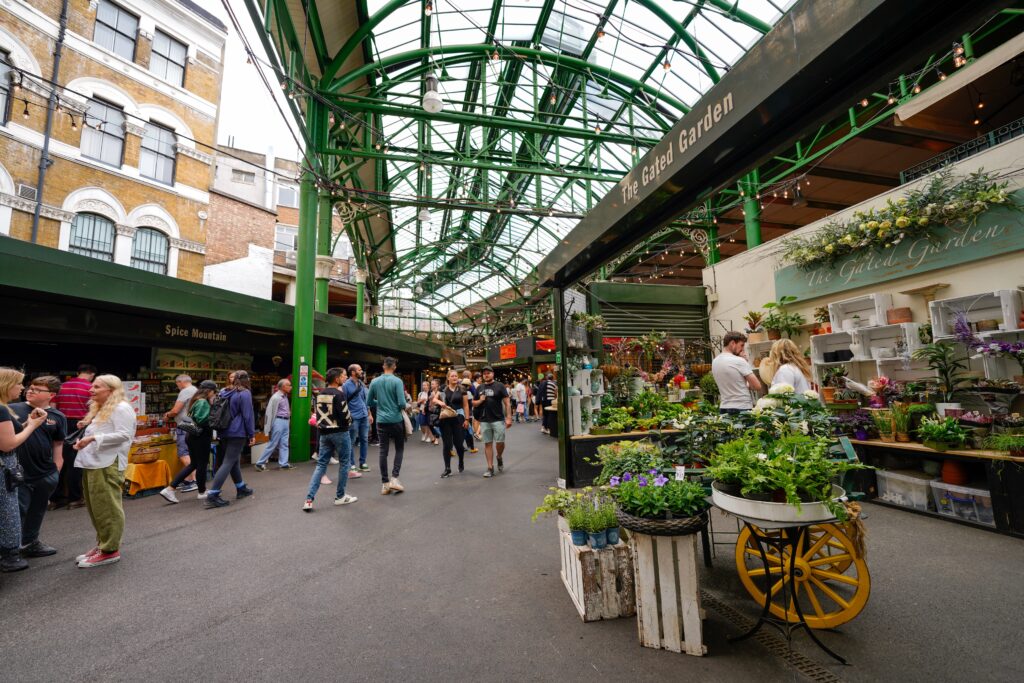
{"x": 921, "y": 448}
{"x": 635, "y": 432}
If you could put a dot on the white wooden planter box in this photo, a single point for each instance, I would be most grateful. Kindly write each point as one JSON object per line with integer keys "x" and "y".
{"x": 668, "y": 611}
{"x": 600, "y": 582}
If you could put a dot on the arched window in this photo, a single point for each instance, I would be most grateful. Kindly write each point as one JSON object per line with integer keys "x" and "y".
{"x": 149, "y": 250}
{"x": 92, "y": 235}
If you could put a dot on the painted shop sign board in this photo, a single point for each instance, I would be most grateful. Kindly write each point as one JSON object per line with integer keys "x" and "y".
{"x": 997, "y": 232}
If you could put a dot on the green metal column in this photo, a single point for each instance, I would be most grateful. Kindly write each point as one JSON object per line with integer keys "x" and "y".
{"x": 305, "y": 274}
{"x": 323, "y": 248}
{"x": 360, "y": 294}
{"x": 714, "y": 256}
{"x": 752, "y": 208}
{"x": 561, "y": 344}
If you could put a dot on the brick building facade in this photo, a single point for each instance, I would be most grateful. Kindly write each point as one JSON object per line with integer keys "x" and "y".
{"x": 138, "y": 92}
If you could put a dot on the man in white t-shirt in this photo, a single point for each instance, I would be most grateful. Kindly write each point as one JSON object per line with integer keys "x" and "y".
{"x": 734, "y": 376}
{"x": 186, "y": 392}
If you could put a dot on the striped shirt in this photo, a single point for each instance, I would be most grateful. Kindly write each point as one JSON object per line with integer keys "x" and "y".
{"x": 73, "y": 398}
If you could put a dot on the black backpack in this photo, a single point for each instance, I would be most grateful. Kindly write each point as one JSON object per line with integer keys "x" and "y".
{"x": 220, "y": 412}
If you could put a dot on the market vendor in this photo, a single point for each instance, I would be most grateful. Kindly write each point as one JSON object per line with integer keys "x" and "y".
{"x": 735, "y": 378}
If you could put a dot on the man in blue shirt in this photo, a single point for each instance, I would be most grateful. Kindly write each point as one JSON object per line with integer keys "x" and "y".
{"x": 355, "y": 394}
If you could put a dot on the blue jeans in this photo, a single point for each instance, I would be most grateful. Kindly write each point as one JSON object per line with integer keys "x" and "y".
{"x": 330, "y": 444}
{"x": 359, "y": 433}
{"x": 278, "y": 442}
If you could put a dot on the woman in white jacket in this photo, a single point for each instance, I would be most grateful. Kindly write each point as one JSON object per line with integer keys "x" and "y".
{"x": 103, "y": 454}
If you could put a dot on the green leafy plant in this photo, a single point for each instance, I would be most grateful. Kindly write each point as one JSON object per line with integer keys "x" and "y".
{"x": 655, "y": 496}
{"x": 780, "y": 320}
{"x": 1006, "y": 442}
{"x": 648, "y": 404}
{"x": 590, "y": 321}
{"x": 709, "y": 388}
{"x": 945, "y": 430}
{"x": 620, "y": 457}
{"x": 943, "y": 201}
{"x": 558, "y": 501}
{"x": 608, "y": 518}
{"x": 578, "y": 515}
{"x": 649, "y": 344}
{"x": 821, "y": 315}
{"x": 883, "y": 421}
{"x": 942, "y": 359}
{"x": 796, "y": 466}
{"x": 834, "y": 376}
{"x": 901, "y": 418}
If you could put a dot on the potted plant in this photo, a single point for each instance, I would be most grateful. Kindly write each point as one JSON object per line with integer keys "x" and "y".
{"x": 611, "y": 522}
{"x": 978, "y": 426}
{"x": 901, "y": 421}
{"x": 596, "y": 529}
{"x": 558, "y": 501}
{"x": 883, "y": 424}
{"x": 942, "y": 359}
{"x": 1014, "y": 443}
{"x": 779, "y": 321}
{"x": 615, "y": 459}
{"x": 855, "y": 423}
{"x": 651, "y": 503}
{"x": 941, "y": 434}
{"x": 832, "y": 379}
{"x": 823, "y": 319}
{"x": 578, "y": 518}
{"x": 917, "y": 412}
{"x": 755, "y": 331}
{"x": 1012, "y": 423}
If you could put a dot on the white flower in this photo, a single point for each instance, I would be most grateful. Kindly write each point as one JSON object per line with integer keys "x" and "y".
{"x": 811, "y": 394}
{"x": 804, "y": 427}
{"x": 762, "y": 456}
{"x": 766, "y": 403}
{"x": 780, "y": 389}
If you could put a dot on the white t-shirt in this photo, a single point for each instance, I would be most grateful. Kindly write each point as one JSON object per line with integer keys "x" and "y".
{"x": 730, "y": 372}
{"x": 520, "y": 392}
{"x": 185, "y": 396}
{"x": 791, "y": 375}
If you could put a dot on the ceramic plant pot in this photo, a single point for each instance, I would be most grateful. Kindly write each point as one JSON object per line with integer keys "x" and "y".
{"x": 579, "y": 537}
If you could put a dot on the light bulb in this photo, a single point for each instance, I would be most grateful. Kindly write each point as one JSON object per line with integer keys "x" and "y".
{"x": 864, "y": 102}
{"x": 981, "y": 105}
{"x": 552, "y": 98}
{"x": 667, "y": 65}
{"x": 891, "y": 99}
{"x": 429, "y": 9}
{"x": 74, "y": 126}
{"x": 495, "y": 56}
{"x": 942, "y": 75}
{"x": 432, "y": 103}
{"x": 977, "y": 122}
{"x": 917, "y": 88}
{"x": 958, "y": 49}
{"x": 600, "y": 34}
{"x": 24, "y": 114}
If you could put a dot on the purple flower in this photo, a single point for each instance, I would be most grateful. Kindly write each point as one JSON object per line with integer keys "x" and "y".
{"x": 627, "y": 477}
{"x": 642, "y": 480}
{"x": 652, "y": 472}
{"x": 660, "y": 481}
{"x": 614, "y": 481}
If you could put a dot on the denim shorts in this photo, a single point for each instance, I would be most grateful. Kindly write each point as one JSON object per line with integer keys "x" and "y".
{"x": 492, "y": 432}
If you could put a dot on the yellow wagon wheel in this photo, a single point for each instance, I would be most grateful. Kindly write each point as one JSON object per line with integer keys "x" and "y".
{"x": 832, "y": 580}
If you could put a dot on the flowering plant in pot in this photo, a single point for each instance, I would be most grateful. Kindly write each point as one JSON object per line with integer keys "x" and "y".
{"x": 794, "y": 469}
{"x": 650, "y": 501}
{"x": 942, "y": 358}
{"x": 1012, "y": 423}
{"x": 855, "y": 423}
{"x": 784, "y": 411}
{"x": 941, "y": 434}
{"x": 1012, "y": 350}
{"x": 755, "y": 330}
{"x": 615, "y": 459}
{"x": 832, "y": 379}
{"x": 886, "y": 391}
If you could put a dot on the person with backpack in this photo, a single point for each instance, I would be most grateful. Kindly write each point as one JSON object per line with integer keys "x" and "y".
{"x": 199, "y": 439}
{"x": 232, "y": 418}
{"x": 333, "y": 421}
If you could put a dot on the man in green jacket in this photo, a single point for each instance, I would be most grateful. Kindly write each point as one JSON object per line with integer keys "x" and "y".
{"x": 387, "y": 394}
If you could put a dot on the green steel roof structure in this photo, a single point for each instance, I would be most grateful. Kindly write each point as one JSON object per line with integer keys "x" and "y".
{"x": 546, "y": 104}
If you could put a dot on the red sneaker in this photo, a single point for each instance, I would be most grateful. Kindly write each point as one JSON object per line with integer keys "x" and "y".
{"x": 86, "y": 555}
{"x": 99, "y": 559}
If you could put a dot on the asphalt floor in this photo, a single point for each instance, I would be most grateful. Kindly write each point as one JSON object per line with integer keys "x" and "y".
{"x": 450, "y": 581}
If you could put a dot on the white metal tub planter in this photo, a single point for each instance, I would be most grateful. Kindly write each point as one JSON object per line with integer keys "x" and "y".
{"x": 664, "y": 517}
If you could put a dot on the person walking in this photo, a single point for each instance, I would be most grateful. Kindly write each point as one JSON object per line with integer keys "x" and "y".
{"x": 434, "y": 412}
{"x": 469, "y": 431}
{"x": 495, "y": 410}
{"x": 423, "y": 413}
{"x": 73, "y": 401}
{"x": 13, "y": 434}
{"x": 198, "y": 444}
{"x": 103, "y": 455}
{"x": 547, "y": 390}
{"x": 41, "y": 458}
{"x": 453, "y": 404}
{"x": 334, "y": 422}
{"x": 519, "y": 403}
{"x": 734, "y": 376}
{"x": 186, "y": 392}
{"x": 359, "y": 433}
{"x": 276, "y": 423}
{"x": 241, "y": 430}
{"x": 387, "y": 395}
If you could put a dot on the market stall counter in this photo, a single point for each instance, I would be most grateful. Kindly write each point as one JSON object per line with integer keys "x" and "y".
{"x": 152, "y": 460}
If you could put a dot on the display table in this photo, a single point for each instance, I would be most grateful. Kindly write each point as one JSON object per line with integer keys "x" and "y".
{"x": 1003, "y": 474}
{"x": 145, "y": 476}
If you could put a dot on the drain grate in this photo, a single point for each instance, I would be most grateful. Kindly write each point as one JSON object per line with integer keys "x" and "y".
{"x": 810, "y": 669}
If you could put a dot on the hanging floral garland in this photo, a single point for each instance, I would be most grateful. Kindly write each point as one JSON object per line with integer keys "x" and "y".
{"x": 945, "y": 201}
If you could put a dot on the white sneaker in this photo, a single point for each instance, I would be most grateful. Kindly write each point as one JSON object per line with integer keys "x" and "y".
{"x": 308, "y": 505}
{"x": 385, "y": 489}
{"x": 202, "y": 496}
{"x": 396, "y": 485}
{"x": 345, "y": 500}
{"x": 423, "y": 438}
{"x": 168, "y": 493}
{"x": 334, "y": 461}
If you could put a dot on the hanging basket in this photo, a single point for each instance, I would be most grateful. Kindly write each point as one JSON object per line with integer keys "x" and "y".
{"x": 683, "y": 526}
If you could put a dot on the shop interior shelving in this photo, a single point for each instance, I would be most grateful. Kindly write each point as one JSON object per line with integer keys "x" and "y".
{"x": 862, "y": 311}
{"x": 583, "y": 405}
{"x": 1003, "y": 306}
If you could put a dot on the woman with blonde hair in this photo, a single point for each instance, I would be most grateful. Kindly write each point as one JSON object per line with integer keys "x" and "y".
{"x": 786, "y": 365}
{"x": 103, "y": 454}
{"x": 12, "y": 435}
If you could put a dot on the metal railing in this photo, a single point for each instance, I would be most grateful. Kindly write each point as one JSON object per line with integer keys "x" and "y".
{"x": 961, "y": 152}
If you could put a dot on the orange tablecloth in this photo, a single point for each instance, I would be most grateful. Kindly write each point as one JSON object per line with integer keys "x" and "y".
{"x": 152, "y": 475}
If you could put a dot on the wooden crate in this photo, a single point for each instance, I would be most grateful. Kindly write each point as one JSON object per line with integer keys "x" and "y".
{"x": 600, "y": 582}
{"x": 668, "y": 593}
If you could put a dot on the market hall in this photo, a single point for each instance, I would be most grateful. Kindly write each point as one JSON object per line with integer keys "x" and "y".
{"x": 726, "y": 299}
